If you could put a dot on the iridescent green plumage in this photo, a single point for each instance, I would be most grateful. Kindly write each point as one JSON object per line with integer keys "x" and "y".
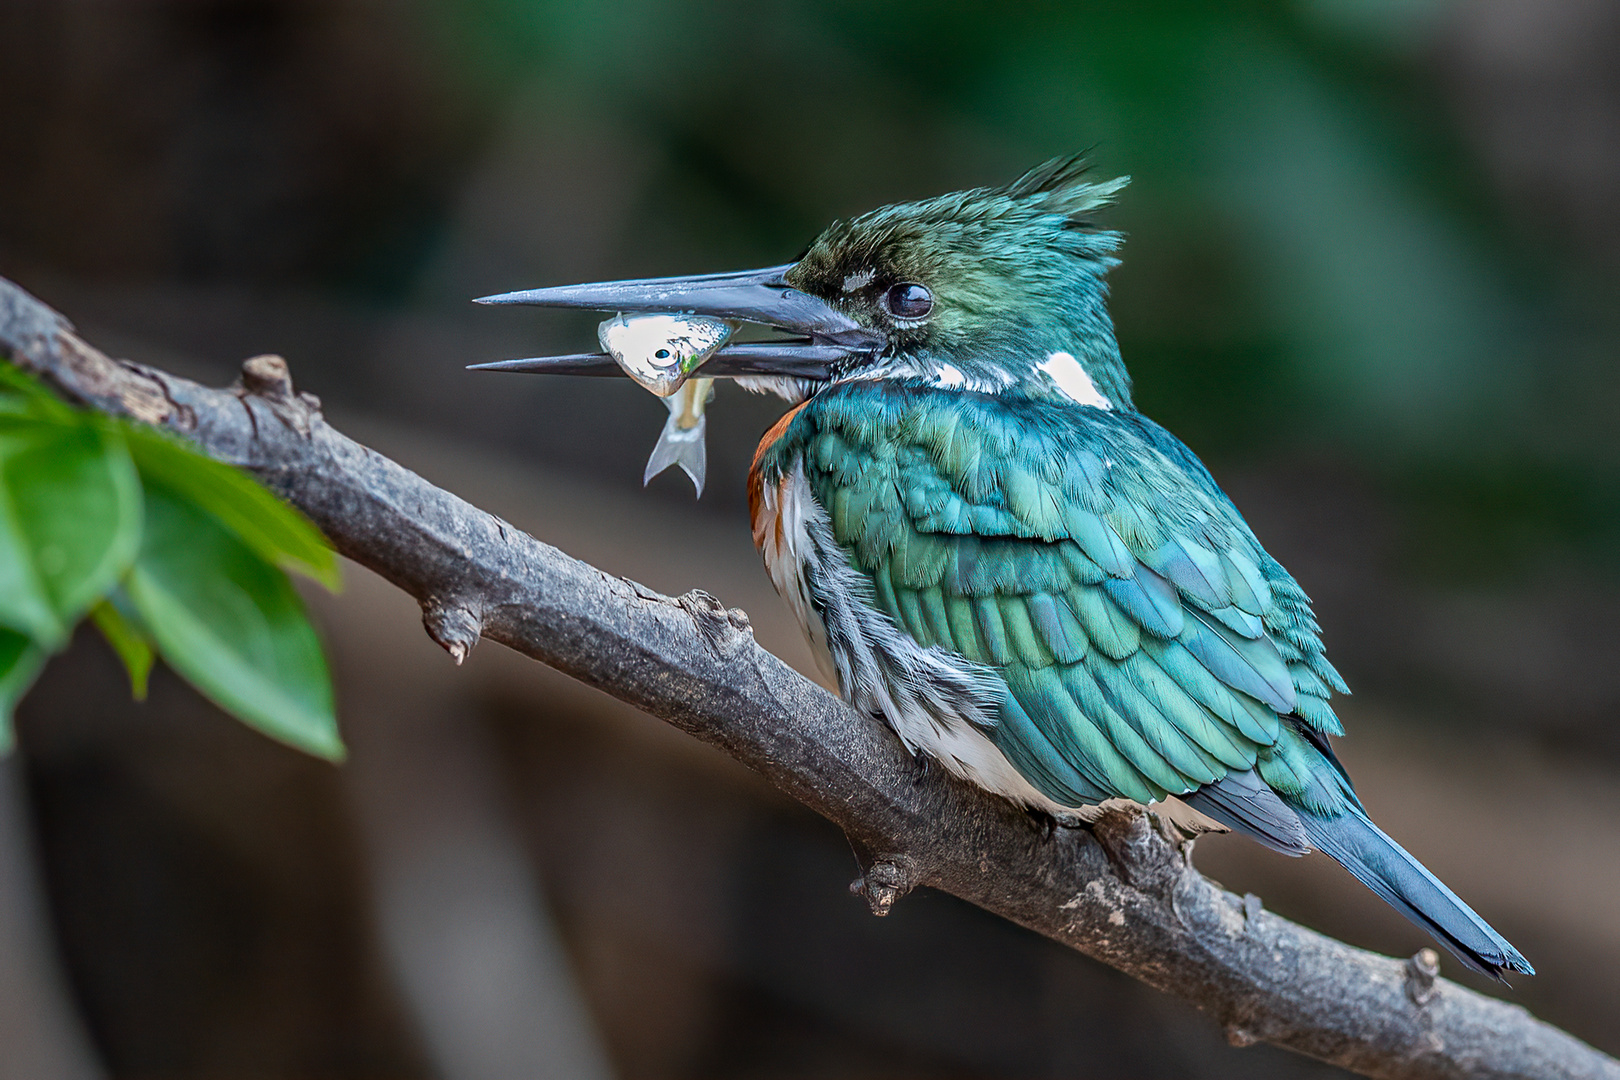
{"x": 1147, "y": 641}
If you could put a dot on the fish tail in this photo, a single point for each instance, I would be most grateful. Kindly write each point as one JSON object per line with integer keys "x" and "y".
{"x": 680, "y": 446}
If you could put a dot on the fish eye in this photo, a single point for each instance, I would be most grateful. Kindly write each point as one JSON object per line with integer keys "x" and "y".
{"x": 908, "y": 300}
{"x": 662, "y": 354}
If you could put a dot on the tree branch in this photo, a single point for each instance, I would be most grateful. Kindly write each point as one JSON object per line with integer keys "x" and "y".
{"x": 1124, "y": 892}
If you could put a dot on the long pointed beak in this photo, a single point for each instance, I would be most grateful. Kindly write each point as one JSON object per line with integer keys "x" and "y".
{"x": 790, "y": 359}
{"x": 759, "y": 296}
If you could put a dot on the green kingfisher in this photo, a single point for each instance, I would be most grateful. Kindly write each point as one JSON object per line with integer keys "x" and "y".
{"x": 997, "y": 555}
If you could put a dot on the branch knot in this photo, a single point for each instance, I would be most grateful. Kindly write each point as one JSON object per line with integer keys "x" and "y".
{"x": 1422, "y": 969}
{"x": 454, "y": 624}
{"x": 882, "y": 883}
{"x": 724, "y": 630}
{"x": 268, "y": 378}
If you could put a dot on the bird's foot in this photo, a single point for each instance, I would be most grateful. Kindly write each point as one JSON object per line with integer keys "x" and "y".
{"x": 923, "y": 768}
{"x": 1044, "y": 819}
{"x": 1050, "y": 822}
{"x": 1145, "y": 853}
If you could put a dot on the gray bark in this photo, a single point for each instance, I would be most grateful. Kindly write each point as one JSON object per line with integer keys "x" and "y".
{"x": 1124, "y": 892}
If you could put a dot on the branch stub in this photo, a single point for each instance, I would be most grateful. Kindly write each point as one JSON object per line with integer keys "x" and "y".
{"x": 882, "y": 884}
{"x": 1422, "y": 969}
{"x": 267, "y": 376}
{"x": 454, "y": 624}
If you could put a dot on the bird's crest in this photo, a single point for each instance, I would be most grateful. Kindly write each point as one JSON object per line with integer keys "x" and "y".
{"x": 1058, "y": 187}
{"x": 1047, "y": 207}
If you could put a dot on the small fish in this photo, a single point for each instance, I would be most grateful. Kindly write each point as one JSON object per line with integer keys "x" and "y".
{"x": 660, "y": 352}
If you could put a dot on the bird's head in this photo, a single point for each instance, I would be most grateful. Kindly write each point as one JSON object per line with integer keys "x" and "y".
{"x": 997, "y": 290}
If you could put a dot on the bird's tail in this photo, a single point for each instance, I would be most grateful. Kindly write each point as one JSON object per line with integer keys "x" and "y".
{"x": 1385, "y": 867}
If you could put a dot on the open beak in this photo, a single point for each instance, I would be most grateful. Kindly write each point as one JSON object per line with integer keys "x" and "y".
{"x": 826, "y": 336}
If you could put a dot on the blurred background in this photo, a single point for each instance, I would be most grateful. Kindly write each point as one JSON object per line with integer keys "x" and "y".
{"x": 1371, "y": 277}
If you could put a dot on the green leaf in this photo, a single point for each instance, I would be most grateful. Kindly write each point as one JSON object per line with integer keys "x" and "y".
{"x": 129, "y": 642}
{"x": 20, "y": 661}
{"x": 70, "y": 521}
{"x": 278, "y": 532}
{"x": 24, "y": 604}
{"x": 231, "y": 624}
{"x": 23, "y": 395}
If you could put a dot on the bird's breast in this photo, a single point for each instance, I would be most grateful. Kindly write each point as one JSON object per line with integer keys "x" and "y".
{"x": 779, "y": 504}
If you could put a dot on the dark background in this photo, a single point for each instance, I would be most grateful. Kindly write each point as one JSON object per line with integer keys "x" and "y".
{"x": 1370, "y": 276}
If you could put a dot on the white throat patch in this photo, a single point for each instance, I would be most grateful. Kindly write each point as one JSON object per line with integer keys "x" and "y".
{"x": 1070, "y": 378}
{"x": 935, "y": 373}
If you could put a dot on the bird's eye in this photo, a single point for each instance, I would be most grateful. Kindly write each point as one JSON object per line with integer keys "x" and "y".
{"x": 662, "y": 354}
{"x": 908, "y": 300}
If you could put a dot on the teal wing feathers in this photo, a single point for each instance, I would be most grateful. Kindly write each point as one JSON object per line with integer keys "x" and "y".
{"x": 1148, "y": 643}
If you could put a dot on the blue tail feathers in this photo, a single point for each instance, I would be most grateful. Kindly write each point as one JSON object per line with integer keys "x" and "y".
{"x": 1328, "y": 816}
{"x": 1381, "y": 864}
{"x": 1242, "y": 801}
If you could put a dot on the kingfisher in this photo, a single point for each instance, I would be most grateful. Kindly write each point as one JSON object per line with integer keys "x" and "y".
{"x": 992, "y": 550}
